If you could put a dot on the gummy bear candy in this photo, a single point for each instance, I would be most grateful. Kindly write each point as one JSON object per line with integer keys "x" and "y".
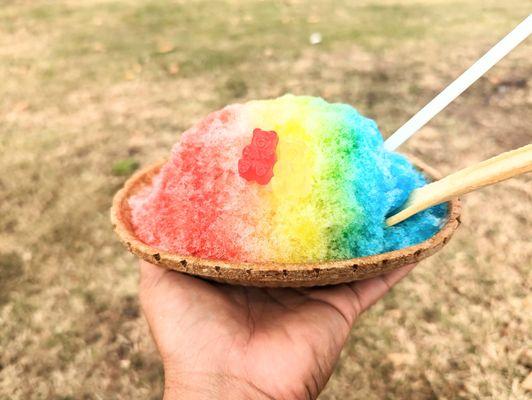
{"x": 258, "y": 158}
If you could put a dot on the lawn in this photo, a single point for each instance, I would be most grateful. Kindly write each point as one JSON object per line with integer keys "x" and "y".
{"x": 91, "y": 90}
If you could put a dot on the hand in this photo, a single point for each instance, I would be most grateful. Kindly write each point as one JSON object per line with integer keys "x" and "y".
{"x": 228, "y": 342}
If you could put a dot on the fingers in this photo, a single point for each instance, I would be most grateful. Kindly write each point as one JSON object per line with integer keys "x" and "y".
{"x": 368, "y": 292}
{"x": 157, "y": 284}
{"x": 150, "y": 276}
{"x": 163, "y": 290}
{"x": 149, "y": 273}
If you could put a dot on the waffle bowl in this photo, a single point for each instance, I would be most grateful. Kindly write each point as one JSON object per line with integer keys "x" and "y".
{"x": 275, "y": 274}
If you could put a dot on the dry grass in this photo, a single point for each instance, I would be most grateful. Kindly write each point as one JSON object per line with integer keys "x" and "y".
{"x": 89, "y": 89}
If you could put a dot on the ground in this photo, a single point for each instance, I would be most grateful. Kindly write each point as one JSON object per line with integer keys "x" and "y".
{"x": 91, "y": 90}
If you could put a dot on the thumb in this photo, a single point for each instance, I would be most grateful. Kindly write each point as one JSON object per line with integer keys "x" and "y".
{"x": 369, "y": 291}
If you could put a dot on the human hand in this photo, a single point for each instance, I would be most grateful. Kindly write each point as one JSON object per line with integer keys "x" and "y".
{"x": 230, "y": 342}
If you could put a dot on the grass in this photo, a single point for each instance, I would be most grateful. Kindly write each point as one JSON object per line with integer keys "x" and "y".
{"x": 125, "y": 167}
{"x": 90, "y": 90}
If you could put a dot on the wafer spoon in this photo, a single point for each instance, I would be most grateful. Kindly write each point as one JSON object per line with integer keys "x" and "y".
{"x": 496, "y": 169}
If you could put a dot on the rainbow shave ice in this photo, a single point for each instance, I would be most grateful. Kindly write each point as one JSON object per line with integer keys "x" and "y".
{"x": 293, "y": 179}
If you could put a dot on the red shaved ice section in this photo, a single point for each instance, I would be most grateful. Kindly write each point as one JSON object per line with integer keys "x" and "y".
{"x": 192, "y": 197}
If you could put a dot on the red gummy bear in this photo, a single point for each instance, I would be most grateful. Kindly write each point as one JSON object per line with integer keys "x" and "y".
{"x": 258, "y": 158}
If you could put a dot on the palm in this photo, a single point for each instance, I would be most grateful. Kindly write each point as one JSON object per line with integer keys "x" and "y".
{"x": 282, "y": 343}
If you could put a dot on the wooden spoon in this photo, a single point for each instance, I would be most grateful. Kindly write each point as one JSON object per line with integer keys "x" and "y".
{"x": 488, "y": 172}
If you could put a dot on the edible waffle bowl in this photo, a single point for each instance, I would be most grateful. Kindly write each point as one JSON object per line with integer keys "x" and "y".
{"x": 273, "y": 274}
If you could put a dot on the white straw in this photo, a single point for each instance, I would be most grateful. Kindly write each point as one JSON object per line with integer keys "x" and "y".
{"x": 479, "y": 68}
